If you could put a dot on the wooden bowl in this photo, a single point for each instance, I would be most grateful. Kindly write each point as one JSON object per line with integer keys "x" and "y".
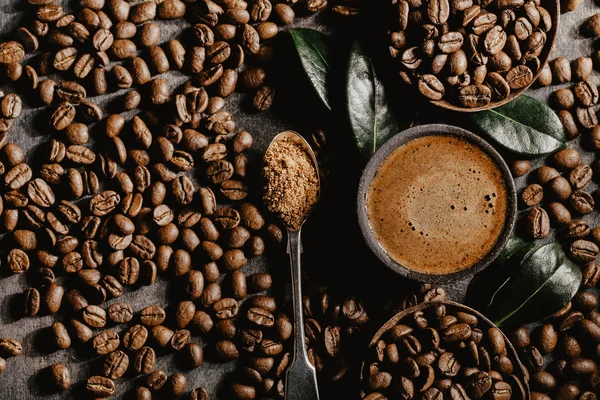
{"x": 484, "y": 324}
{"x": 553, "y": 7}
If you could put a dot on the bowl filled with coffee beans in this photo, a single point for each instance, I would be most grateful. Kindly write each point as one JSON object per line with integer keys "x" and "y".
{"x": 439, "y": 350}
{"x": 471, "y": 55}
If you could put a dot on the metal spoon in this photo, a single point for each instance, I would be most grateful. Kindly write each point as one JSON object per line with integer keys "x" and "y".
{"x": 301, "y": 378}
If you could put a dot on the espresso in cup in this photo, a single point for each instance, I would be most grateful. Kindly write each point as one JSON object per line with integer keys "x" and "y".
{"x": 438, "y": 204}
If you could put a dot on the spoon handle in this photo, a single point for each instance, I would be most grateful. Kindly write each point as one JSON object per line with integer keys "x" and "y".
{"x": 301, "y": 377}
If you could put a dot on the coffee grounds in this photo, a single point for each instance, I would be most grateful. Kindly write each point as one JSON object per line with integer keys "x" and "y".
{"x": 291, "y": 182}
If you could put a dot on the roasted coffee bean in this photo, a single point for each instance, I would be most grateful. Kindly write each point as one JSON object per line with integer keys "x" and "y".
{"x": 263, "y": 99}
{"x": 135, "y": 337}
{"x": 65, "y": 58}
{"x": 149, "y": 34}
{"x": 532, "y": 195}
{"x": 94, "y": 316}
{"x": 81, "y": 331}
{"x": 582, "y": 202}
{"x": 591, "y": 26}
{"x": 586, "y": 117}
{"x": 475, "y": 96}
{"x": 120, "y": 313}
{"x": 162, "y": 335}
{"x": 583, "y": 251}
{"x": 192, "y": 355}
{"x": 538, "y": 223}
{"x": 519, "y": 77}
{"x": 156, "y": 380}
{"x": 11, "y": 52}
{"x": 100, "y": 386}
{"x": 152, "y": 315}
{"x": 115, "y": 365}
{"x": 580, "y": 176}
{"x": 582, "y": 68}
{"x": 106, "y": 342}
{"x": 144, "y": 360}
{"x": 564, "y": 99}
{"x": 11, "y": 106}
{"x": 199, "y": 394}
{"x": 123, "y": 49}
{"x": 159, "y": 60}
{"x": 31, "y": 300}
{"x": 59, "y": 378}
{"x": 52, "y": 298}
{"x": 61, "y": 336}
{"x": 586, "y": 93}
{"x": 180, "y": 339}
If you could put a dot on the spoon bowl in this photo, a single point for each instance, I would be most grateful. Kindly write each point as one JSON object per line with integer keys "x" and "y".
{"x": 298, "y": 139}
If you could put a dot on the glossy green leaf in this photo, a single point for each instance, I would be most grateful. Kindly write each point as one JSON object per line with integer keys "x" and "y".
{"x": 545, "y": 281}
{"x": 369, "y": 114}
{"x": 485, "y": 285}
{"x": 525, "y": 126}
{"x": 314, "y": 50}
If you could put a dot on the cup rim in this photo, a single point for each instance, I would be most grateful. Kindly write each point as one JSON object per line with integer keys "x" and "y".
{"x": 371, "y": 169}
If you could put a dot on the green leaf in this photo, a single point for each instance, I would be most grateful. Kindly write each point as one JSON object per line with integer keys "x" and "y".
{"x": 314, "y": 50}
{"x": 370, "y": 116}
{"x": 525, "y": 126}
{"x": 543, "y": 283}
{"x": 485, "y": 286}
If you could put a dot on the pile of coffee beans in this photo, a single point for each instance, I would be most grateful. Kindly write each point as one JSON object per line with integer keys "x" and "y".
{"x": 558, "y": 198}
{"x": 84, "y": 44}
{"x": 263, "y": 342}
{"x": 442, "y": 351}
{"x": 170, "y": 184}
{"x": 575, "y": 105}
{"x": 561, "y": 353}
{"x": 469, "y": 53}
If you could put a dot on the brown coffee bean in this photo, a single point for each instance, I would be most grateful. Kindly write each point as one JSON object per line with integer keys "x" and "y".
{"x": 115, "y": 365}
{"x": 586, "y": 117}
{"x": 519, "y": 77}
{"x": 52, "y": 298}
{"x": 545, "y": 77}
{"x": 591, "y": 27}
{"x": 94, "y": 316}
{"x": 581, "y": 202}
{"x": 149, "y": 34}
{"x": 192, "y": 355}
{"x": 11, "y": 106}
{"x": 120, "y": 313}
{"x": 100, "y": 386}
{"x": 564, "y": 99}
{"x": 135, "y": 337}
{"x": 144, "y": 360}
{"x": 11, "y": 52}
{"x": 199, "y": 394}
{"x": 532, "y": 195}
{"x": 259, "y": 282}
{"x": 586, "y": 93}
{"x": 106, "y": 342}
{"x": 152, "y": 315}
{"x": 260, "y": 317}
{"x": 226, "y": 308}
{"x": 567, "y": 159}
{"x": 561, "y": 68}
{"x": 583, "y": 251}
{"x": 61, "y": 336}
{"x": 59, "y": 378}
